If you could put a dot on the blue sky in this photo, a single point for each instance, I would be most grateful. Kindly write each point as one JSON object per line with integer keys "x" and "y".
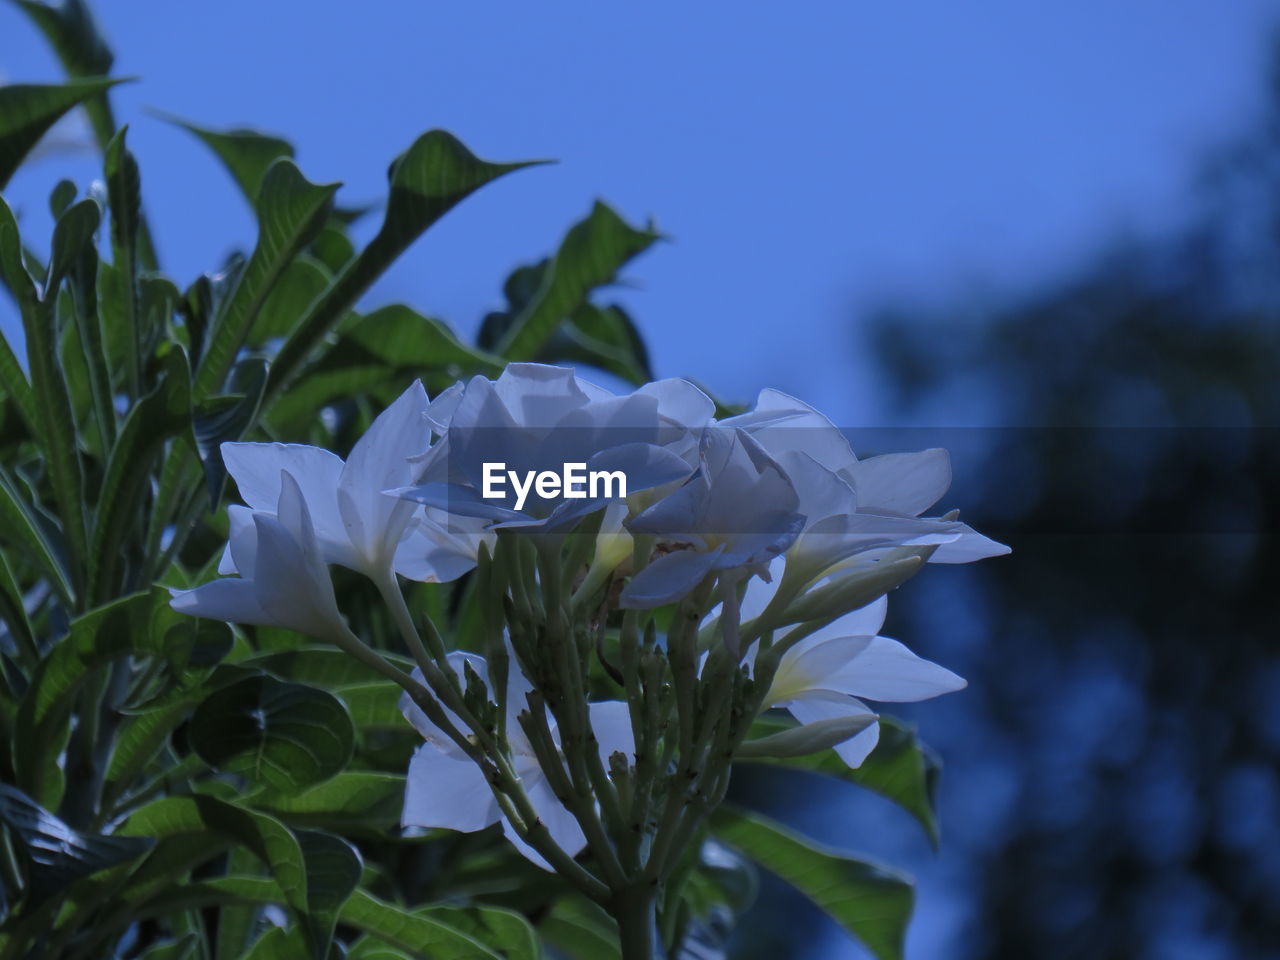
{"x": 805, "y": 160}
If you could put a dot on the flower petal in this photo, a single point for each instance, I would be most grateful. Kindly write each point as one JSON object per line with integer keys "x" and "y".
{"x": 876, "y": 668}
{"x": 902, "y": 484}
{"x": 611, "y": 724}
{"x": 447, "y": 790}
{"x": 668, "y": 578}
{"x": 231, "y": 599}
{"x": 561, "y": 824}
{"x": 853, "y": 751}
{"x": 374, "y": 521}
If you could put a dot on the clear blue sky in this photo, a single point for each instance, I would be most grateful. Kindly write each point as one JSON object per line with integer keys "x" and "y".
{"x": 807, "y": 159}
{"x": 804, "y": 159}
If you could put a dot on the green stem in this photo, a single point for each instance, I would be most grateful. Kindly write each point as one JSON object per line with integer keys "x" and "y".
{"x": 633, "y": 908}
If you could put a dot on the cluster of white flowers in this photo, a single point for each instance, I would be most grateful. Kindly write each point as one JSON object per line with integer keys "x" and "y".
{"x": 781, "y": 542}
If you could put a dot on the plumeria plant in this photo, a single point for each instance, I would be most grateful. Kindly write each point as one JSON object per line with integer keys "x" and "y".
{"x": 321, "y": 639}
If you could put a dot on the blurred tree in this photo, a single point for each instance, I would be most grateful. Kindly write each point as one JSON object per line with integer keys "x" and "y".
{"x": 1126, "y": 686}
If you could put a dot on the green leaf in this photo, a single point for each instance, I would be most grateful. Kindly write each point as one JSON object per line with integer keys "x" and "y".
{"x": 27, "y": 111}
{"x": 267, "y": 838}
{"x": 291, "y": 210}
{"x": 139, "y": 625}
{"x": 284, "y": 735}
{"x": 186, "y": 947}
{"x": 63, "y": 195}
{"x": 56, "y": 854}
{"x": 22, "y": 528}
{"x": 604, "y": 337}
{"x": 163, "y": 413}
{"x": 506, "y": 931}
{"x": 15, "y": 276}
{"x": 71, "y": 31}
{"x": 581, "y": 929}
{"x": 247, "y": 154}
{"x": 302, "y": 283}
{"x": 333, "y": 873}
{"x": 900, "y": 768}
{"x": 418, "y": 934}
{"x": 124, "y": 197}
{"x": 592, "y": 253}
{"x": 225, "y": 419}
{"x": 354, "y": 799}
{"x": 427, "y": 181}
{"x": 869, "y": 901}
{"x": 71, "y": 234}
{"x": 384, "y": 348}
{"x": 55, "y": 421}
{"x": 323, "y": 666}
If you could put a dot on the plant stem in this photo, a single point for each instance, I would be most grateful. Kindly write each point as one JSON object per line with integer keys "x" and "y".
{"x": 634, "y": 910}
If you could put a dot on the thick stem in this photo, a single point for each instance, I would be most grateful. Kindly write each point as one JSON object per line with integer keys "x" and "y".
{"x": 633, "y": 908}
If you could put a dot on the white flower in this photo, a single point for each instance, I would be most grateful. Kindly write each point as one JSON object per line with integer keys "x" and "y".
{"x": 283, "y": 580}
{"x": 878, "y": 499}
{"x": 446, "y": 789}
{"x": 829, "y": 673}
{"x": 537, "y": 418}
{"x": 356, "y": 524}
{"x": 738, "y": 511}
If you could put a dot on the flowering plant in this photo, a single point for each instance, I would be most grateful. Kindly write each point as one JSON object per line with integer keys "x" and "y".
{"x": 372, "y": 706}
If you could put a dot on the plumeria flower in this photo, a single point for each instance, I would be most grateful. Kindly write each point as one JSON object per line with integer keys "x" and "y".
{"x": 894, "y": 489}
{"x": 536, "y": 418}
{"x": 446, "y": 789}
{"x": 738, "y": 511}
{"x": 284, "y": 580}
{"x": 356, "y": 524}
{"x": 828, "y": 674}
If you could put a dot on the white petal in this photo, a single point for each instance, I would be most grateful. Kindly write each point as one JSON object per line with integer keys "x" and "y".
{"x": 611, "y": 723}
{"x": 242, "y": 542}
{"x": 970, "y": 546}
{"x": 418, "y": 718}
{"x": 558, "y": 820}
{"x": 902, "y": 484}
{"x": 230, "y": 599}
{"x": 863, "y": 622}
{"x": 447, "y": 790}
{"x": 290, "y": 578}
{"x": 876, "y": 668}
{"x": 256, "y": 468}
{"x": 854, "y": 750}
{"x": 374, "y": 521}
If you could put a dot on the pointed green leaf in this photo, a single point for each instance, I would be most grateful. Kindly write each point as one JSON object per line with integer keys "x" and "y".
{"x": 427, "y": 181}
{"x": 124, "y": 196}
{"x": 871, "y": 902}
{"x": 163, "y": 413}
{"x": 900, "y": 768}
{"x": 226, "y": 419}
{"x": 247, "y": 154}
{"x": 22, "y": 528}
{"x": 27, "y": 111}
{"x": 592, "y": 253}
{"x": 291, "y": 210}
